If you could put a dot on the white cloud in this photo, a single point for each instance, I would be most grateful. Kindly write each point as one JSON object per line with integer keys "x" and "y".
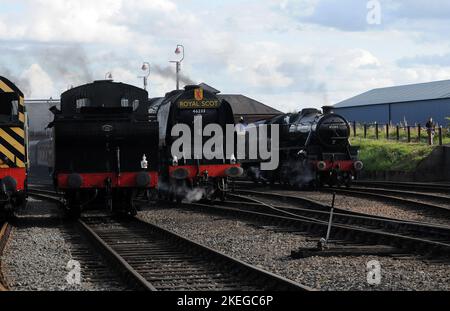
{"x": 41, "y": 85}
{"x": 257, "y": 64}
{"x": 86, "y": 21}
{"x": 290, "y": 53}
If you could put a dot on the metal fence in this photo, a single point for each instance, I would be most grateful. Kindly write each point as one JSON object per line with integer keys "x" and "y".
{"x": 409, "y": 134}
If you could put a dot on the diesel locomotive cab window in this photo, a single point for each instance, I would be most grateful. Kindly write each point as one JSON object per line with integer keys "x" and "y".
{"x": 9, "y": 108}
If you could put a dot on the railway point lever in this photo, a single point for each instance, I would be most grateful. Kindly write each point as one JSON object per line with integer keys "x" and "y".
{"x": 323, "y": 243}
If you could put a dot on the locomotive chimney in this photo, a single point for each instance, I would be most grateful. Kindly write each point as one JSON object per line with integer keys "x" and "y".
{"x": 327, "y": 109}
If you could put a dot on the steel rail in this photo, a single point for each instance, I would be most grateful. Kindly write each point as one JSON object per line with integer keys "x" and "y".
{"x": 437, "y": 202}
{"x": 259, "y": 279}
{"x": 413, "y": 229}
{"x": 192, "y": 251}
{"x": 312, "y": 204}
{"x": 389, "y": 195}
{"x": 4, "y": 237}
{"x": 130, "y": 274}
{"x": 341, "y": 230}
{"x": 425, "y": 187}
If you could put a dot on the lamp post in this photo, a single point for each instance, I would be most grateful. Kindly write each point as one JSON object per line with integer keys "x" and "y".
{"x": 178, "y": 50}
{"x": 146, "y": 68}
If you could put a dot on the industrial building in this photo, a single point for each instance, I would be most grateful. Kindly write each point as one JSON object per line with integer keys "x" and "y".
{"x": 412, "y": 104}
{"x": 248, "y": 108}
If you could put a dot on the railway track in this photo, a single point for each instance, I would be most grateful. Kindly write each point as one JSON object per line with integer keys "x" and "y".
{"x": 426, "y": 201}
{"x": 404, "y": 236}
{"x": 400, "y": 237}
{"x": 95, "y": 270}
{"x": 157, "y": 259}
{"x": 409, "y": 186}
{"x": 5, "y": 230}
{"x": 312, "y": 204}
{"x": 152, "y": 258}
{"x": 408, "y": 198}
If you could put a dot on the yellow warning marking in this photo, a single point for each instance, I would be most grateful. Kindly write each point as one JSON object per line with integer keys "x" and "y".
{"x": 11, "y": 156}
{"x": 19, "y": 147}
{"x": 21, "y": 117}
{"x": 21, "y": 101}
{"x": 5, "y": 88}
{"x": 19, "y": 131}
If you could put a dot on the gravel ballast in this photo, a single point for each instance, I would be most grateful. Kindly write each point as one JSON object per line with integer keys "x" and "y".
{"x": 271, "y": 251}
{"x": 40, "y": 248}
{"x": 374, "y": 207}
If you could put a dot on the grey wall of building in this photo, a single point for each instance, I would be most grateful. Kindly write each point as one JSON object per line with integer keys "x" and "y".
{"x": 365, "y": 114}
{"x": 414, "y": 112}
{"x": 420, "y": 111}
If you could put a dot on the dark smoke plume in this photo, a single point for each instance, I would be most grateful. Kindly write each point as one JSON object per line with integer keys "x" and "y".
{"x": 68, "y": 62}
{"x": 64, "y": 63}
{"x": 169, "y": 72}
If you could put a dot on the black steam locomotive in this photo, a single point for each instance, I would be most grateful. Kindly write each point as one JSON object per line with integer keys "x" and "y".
{"x": 194, "y": 174}
{"x": 104, "y": 139}
{"x": 314, "y": 150}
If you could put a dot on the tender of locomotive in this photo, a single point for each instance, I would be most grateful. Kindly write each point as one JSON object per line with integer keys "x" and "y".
{"x": 194, "y": 176}
{"x": 105, "y": 146}
{"x": 314, "y": 150}
{"x": 13, "y": 148}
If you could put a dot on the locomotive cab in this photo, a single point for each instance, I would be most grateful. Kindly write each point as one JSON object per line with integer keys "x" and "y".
{"x": 9, "y": 109}
{"x": 13, "y": 148}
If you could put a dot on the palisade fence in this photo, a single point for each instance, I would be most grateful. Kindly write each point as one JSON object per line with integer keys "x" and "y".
{"x": 408, "y": 134}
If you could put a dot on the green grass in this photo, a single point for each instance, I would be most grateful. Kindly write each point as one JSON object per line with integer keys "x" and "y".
{"x": 384, "y": 155}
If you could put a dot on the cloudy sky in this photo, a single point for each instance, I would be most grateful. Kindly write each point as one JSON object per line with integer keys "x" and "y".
{"x": 289, "y": 54}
